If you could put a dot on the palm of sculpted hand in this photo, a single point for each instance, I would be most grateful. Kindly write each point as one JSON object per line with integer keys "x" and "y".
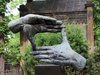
{"x": 61, "y": 54}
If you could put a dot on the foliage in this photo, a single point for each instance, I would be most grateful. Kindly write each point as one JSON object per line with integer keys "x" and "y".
{"x": 4, "y": 20}
{"x": 11, "y": 52}
{"x": 93, "y": 63}
{"x": 47, "y": 39}
{"x": 96, "y": 11}
{"x": 12, "y": 56}
{"x": 2, "y": 6}
{"x": 77, "y": 39}
{"x": 10, "y": 49}
{"x": 30, "y": 62}
{"x": 97, "y": 21}
{"x": 15, "y": 3}
{"x": 3, "y": 26}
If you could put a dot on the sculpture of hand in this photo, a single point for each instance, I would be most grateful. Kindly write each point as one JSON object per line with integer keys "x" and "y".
{"x": 35, "y": 20}
{"x": 61, "y": 54}
{"x": 32, "y": 24}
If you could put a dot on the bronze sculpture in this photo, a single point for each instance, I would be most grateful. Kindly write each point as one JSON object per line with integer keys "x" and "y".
{"x": 61, "y": 54}
{"x": 32, "y": 24}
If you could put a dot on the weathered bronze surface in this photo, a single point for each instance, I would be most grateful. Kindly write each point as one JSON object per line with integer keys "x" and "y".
{"x": 32, "y": 24}
{"x": 61, "y": 54}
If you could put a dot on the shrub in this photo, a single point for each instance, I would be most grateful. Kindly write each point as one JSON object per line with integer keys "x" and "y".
{"x": 93, "y": 63}
{"x": 77, "y": 39}
{"x": 30, "y": 62}
{"x": 44, "y": 39}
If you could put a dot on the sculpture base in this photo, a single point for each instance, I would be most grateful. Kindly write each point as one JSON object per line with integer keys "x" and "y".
{"x": 48, "y": 69}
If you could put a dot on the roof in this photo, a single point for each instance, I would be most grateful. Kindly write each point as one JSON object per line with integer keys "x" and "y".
{"x": 54, "y": 6}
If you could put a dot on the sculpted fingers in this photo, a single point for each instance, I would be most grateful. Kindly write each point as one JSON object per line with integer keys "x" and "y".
{"x": 53, "y": 26}
{"x": 56, "y": 61}
{"x": 53, "y": 30}
{"x": 44, "y": 48}
{"x": 42, "y": 56}
{"x": 42, "y": 52}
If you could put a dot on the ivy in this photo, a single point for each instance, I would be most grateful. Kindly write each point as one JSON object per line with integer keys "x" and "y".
{"x": 2, "y": 6}
{"x": 3, "y": 27}
{"x": 3, "y": 20}
{"x": 97, "y": 21}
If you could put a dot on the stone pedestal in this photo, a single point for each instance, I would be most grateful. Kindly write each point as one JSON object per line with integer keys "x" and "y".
{"x": 48, "y": 69}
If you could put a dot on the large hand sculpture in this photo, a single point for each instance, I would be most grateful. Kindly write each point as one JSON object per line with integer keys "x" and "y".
{"x": 35, "y": 20}
{"x": 32, "y": 24}
{"x": 61, "y": 54}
